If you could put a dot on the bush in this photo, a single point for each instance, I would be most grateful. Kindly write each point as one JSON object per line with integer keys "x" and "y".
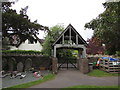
{"x": 109, "y": 53}
{"x": 21, "y": 52}
{"x": 118, "y": 53}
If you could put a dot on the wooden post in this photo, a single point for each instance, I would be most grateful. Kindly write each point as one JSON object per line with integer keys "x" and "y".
{"x": 70, "y": 35}
{"x": 84, "y": 52}
{"x": 67, "y": 63}
{"x": 54, "y": 51}
{"x": 63, "y": 39}
{"x": 76, "y": 39}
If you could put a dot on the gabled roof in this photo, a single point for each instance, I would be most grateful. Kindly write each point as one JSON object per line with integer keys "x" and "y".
{"x": 41, "y": 41}
{"x": 80, "y": 39}
{"x": 35, "y": 37}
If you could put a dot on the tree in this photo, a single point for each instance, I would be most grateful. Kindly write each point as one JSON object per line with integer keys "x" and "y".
{"x": 18, "y": 26}
{"x": 106, "y": 26}
{"x": 95, "y": 46}
{"x": 51, "y": 36}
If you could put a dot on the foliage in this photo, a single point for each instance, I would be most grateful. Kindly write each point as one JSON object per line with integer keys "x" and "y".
{"x": 18, "y": 27}
{"x": 106, "y": 26}
{"x": 52, "y": 35}
{"x": 99, "y": 73}
{"x": 94, "y": 46}
{"x": 118, "y": 53}
{"x": 66, "y": 54}
{"x": 29, "y": 84}
{"x": 21, "y": 52}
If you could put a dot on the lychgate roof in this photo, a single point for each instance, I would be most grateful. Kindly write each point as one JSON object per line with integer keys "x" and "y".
{"x": 70, "y": 36}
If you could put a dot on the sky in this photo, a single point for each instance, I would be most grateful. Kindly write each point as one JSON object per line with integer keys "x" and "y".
{"x": 64, "y": 12}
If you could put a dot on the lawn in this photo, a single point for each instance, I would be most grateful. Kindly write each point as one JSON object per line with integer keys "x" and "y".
{"x": 29, "y": 84}
{"x": 99, "y": 73}
{"x": 89, "y": 87}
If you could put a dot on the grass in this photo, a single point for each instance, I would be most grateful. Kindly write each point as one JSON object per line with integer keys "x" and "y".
{"x": 86, "y": 87}
{"x": 29, "y": 84}
{"x": 99, "y": 73}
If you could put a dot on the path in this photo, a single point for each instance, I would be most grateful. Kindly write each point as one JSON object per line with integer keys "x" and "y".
{"x": 66, "y": 78}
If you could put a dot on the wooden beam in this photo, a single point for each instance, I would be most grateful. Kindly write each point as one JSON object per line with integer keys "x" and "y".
{"x": 68, "y": 45}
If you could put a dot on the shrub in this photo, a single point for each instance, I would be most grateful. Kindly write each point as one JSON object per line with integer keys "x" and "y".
{"x": 118, "y": 53}
{"x": 21, "y": 52}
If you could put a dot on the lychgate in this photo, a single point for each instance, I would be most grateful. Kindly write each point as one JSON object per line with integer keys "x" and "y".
{"x": 71, "y": 39}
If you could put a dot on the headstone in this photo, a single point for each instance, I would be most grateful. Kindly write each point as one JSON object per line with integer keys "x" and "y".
{"x": 28, "y": 64}
{"x": 4, "y": 64}
{"x": 20, "y": 67}
{"x": 11, "y": 64}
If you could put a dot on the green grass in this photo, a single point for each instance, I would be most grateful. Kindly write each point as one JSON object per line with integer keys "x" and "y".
{"x": 89, "y": 87}
{"x": 29, "y": 84}
{"x": 99, "y": 73}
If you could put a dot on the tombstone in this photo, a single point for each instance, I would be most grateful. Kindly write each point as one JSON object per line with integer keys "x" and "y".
{"x": 11, "y": 64}
{"x": 20, "y": 67}
{"x": 28, "y": 64}
{"x": 4, "y": 64}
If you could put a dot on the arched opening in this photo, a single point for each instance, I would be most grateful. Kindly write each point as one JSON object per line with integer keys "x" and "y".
{"x": 67, "y": 58}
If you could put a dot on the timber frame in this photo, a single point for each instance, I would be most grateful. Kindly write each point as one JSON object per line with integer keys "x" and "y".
{"x": 70, "y": 38}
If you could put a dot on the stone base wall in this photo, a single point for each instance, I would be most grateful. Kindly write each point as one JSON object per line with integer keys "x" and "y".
{"x": 22, "y": 63}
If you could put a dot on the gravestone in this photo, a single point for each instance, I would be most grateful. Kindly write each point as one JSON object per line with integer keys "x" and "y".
{"x": 4, "y": 64}
{"x": 11, "y": 64}
{"x": 20, "y": 67}
{"x": 28, "y": 64}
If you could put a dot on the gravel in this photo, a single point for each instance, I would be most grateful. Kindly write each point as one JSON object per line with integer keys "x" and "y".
{"x": 8, "y": 82}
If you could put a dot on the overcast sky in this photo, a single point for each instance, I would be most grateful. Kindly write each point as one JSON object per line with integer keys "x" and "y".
{"x": 52, "y": 12}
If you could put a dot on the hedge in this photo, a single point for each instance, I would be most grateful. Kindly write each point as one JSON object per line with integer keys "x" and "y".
{"x": 21, "y": 52}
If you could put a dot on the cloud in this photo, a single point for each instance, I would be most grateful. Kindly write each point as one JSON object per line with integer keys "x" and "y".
{"x": 52, "y": 12}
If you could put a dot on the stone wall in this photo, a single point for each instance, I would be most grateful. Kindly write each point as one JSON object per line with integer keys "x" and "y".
{"x": 22, "y": 63}
{"x": 83, "y": 65}
{"x": 54, "y": 65}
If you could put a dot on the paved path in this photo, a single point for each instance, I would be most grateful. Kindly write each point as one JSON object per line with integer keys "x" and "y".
{"x": 66, "y": 78}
